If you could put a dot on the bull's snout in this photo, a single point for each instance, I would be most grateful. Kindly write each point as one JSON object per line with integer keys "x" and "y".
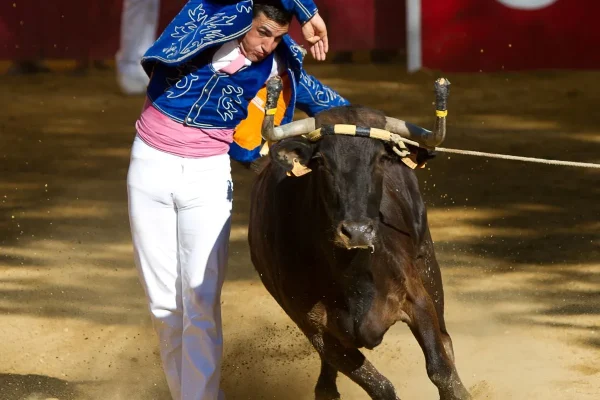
{"x": 356, "y": 234}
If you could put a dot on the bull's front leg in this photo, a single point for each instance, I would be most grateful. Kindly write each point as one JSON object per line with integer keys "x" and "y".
{"x": 423, "y": 322}
{"x": 326, "y": 388}
{"x": 353, "y": 364}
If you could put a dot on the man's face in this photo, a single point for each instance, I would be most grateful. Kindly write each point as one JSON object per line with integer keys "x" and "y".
{"x": 263, "y": 38}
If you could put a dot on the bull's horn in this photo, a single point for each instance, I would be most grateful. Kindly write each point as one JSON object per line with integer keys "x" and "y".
{"x": 425, "y": 137}
{"x": 296, "y": 128}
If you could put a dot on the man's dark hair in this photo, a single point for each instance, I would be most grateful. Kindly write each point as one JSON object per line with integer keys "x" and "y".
{"x": 273, "y": 10}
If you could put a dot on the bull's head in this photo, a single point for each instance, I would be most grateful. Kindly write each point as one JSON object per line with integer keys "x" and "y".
{"x": 347, "y": 173}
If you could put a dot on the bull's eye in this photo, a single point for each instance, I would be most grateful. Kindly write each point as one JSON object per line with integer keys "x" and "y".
{"x": 318, "y": 157}
{"x": 384, "y": 157}
{"x": 321, "y": 162}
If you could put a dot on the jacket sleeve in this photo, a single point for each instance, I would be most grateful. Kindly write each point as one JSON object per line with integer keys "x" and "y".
{"x": 313, "y": 97}
{"x": 302, "y": 9}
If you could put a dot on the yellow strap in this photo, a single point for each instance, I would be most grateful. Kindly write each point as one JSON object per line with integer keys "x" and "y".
{"x": 409, "y": 163}
{"x": 380, "y": 134}
{"x": 314, "y": 135}
{"x": 299, "y": 169}
{"x": 345, "y": 129}
{"x": 441, "y": 113}
{"x": 272, "y": 111}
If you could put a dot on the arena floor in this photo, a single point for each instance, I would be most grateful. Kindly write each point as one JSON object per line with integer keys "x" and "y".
{"x": 518, "y": 245}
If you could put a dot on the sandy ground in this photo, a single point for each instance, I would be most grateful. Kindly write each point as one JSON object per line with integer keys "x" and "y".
{"x": 518, "y": 244}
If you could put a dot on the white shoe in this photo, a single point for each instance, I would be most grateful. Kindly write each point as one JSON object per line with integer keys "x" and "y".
{"x": 132, "y": 85}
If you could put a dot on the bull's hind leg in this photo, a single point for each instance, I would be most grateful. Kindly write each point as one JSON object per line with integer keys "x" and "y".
{"x": 353, "y": 364}
{"x": 431, "y": 276}
{"x": 326, "y": 388}
{"x": 425, "y": 326}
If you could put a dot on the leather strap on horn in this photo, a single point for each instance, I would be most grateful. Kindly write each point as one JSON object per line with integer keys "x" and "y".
{"x": 349, "y": 130}
{"x": 352, "y": 130}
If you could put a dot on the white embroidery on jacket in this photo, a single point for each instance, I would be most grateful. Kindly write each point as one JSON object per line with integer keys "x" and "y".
{"x": 245, "y": 6}
{"x": 321, "y": 94}
{"x": 226, "y": 107}
{"x": 199, "y": 25}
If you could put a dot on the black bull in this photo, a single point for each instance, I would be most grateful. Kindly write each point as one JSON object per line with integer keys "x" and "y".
{"x": 346, "y": 251}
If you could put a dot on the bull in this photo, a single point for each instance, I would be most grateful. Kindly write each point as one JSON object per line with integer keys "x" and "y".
{"x": 339, "y": 236}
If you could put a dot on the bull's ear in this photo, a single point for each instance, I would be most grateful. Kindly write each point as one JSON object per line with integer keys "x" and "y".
{"x": 292, "y": 155}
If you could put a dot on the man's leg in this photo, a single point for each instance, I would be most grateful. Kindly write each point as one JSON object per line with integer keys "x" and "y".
{"x": 204, "y": 204}
{"x": 139, "y": 23}
{"x": 150, "y": 182}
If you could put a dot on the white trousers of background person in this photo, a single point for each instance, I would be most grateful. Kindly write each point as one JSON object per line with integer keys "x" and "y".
{"x": 180, "y": 216}
{"x": 139, "y": 23}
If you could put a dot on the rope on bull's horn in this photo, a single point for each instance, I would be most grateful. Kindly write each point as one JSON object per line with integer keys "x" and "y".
{"x": 501, "y": 156}
{"x": 401, "y": 150}
{"x": 353, "y": 130}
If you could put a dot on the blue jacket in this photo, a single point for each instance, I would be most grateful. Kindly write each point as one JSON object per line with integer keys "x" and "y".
{"x": 185, "y": 86}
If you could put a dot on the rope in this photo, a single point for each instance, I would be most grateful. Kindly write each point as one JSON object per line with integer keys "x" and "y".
{"x": 502, "y": 156}
{"x": 402, "y": 151}
{"x": 518, "y": 158}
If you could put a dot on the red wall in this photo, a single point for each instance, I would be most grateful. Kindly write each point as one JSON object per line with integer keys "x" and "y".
{"x": 454, "y": 32}
{"x": 90, "y": 28}
{"x": 562, "y": 35}
{"x": 66, "y": 28}
{"x": 58, "y": 28}
{"x": 362, "y": 24}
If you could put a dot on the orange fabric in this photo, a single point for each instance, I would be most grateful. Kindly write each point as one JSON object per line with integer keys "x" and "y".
{"x": 247, "y": 133}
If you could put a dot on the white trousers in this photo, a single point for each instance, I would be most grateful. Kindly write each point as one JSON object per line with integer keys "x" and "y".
{"x": 139, "y": 23}
{"x": 180, "y": 217}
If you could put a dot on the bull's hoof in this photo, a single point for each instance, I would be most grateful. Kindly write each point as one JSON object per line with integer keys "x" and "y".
{"x": 457, "y": 392}
{"x": 468, "y": 397}
{"x": 326, "y": 393}
{"x": 327, "y": 397}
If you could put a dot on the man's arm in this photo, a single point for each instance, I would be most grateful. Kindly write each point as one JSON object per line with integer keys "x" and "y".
{"x": 314, "y": 29}
{"x": 302, "y": 9}
{"x": 313, "y": 97}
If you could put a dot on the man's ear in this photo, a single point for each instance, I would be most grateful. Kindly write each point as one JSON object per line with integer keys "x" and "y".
{"x": 292, "y": 155}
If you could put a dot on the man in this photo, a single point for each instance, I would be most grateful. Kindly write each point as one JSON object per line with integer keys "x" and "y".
{"x": 139, "y": 22}
{"x": 204, "y": 104}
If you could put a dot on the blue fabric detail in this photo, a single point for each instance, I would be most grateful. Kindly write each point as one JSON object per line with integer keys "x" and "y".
{"x": 303, "y": 9}
{"x": 312, "y": 96}
{"x": 185, "y": 87}
{"x": 197, "y": 95}
{"x": 240, "y": 154}
{"x": 199, "y": 25}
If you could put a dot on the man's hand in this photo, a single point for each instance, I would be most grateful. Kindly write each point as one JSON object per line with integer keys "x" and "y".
{"x": 315, "y": 33}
